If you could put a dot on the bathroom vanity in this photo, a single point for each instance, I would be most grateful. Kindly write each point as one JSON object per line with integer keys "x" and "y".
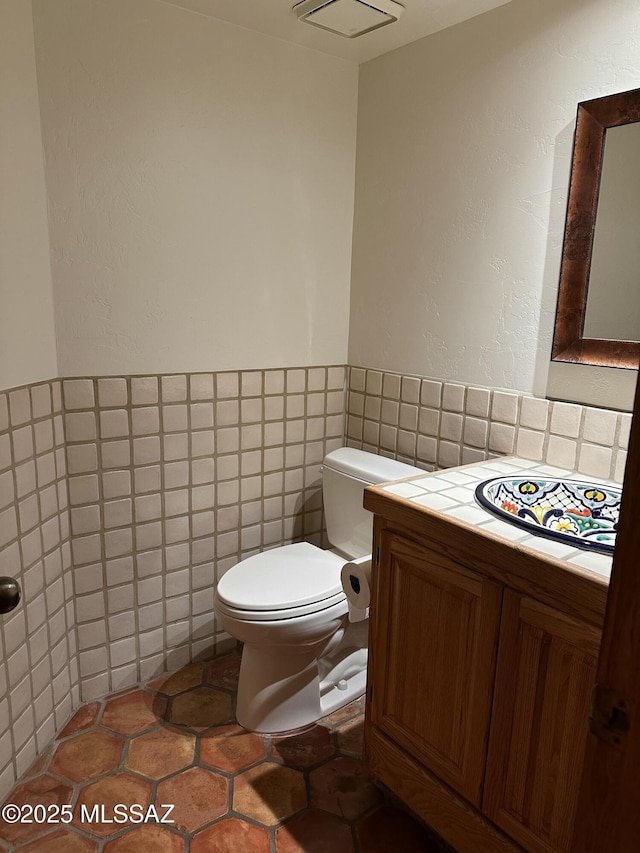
{"x": 483, "y": 648}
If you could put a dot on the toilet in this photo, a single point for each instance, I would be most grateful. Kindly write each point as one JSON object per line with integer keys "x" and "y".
{"x": 302, "y": 658}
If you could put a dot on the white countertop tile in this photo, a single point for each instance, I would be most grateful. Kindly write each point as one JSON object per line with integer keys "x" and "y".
{"x": 471, "y": 514}
{"x": 593, "y": 562}
{"x": 504, "y": 530}
{"x": 435, "y": 501}
{"x": 452, "y": 491}
{"x": 405, "y": 490}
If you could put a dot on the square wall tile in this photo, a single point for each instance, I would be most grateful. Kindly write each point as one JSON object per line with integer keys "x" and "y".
{"x": 565, "y": 419}
{"x": 82, "y": 458}
{"x": 174, "y": 388}
{"x": 114, "y": 423}
{"x": 453, "y": 397}
{"x": 20, "y": 406}
{"x": 251, "y": 383}
{"x": 80, "y": 426}
{"x": 624, "y": 429}
{"x": 478, "y": 402}
{"x": 78, "y": 393}
{"x": 112, "y": 393}
{"x": 504, "y": 407}
{"x": 146, "y": 450}
{"x": 410, "y": 389}
{"x": 534, "y": 413}
{"x": 451, "y": 425}
{"x": 274, "y": 382}
{"x": 449, "y": 454}
{"x": 475, "y": 431}
{"x": 374, "y": 383}
{"x": 4, "y": 413}
{"x": 202, "y": 415}
{"x": 391, "y": 386}
{"x": 145, "y": 420}
{"x": 175, "y": 418}
{"x": 562, "y": 452}
{"x": 227, "y": 385}
{"x": 144, "y": 390}
{"x": 530, "y": 444}
{"x": 41, "y": 405}
{"x": 595, "y": 461}
{"x": 600, "y": 426}
{"x": 115, "y": 454}
{"x": 357, "y": 380}
{"x": 502, "y": 438}
{"x": 201, "y": 386}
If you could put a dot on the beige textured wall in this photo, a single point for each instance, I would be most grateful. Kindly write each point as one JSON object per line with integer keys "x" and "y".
{"x": 201, "y": 181}
{"x": 27, "y": 337}
{"x": 464, "y": 147}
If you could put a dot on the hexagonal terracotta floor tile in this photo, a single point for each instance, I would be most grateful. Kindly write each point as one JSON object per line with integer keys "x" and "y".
{"x": 178, "y": 682}
{"x": 61, "y": 841}
{"x": 345, "y": 787}
{"x": 83, "y": 718}
{"x": 269, "y": 793}
{"x": 231, "y": 836}
{"x": 231, "y": 748}
{"x": 105, "y": 794}
{"x": 87, "y": 755}
{"x": 392, "y": 829}
{"x": 350, "y": 737}
{"x": 149, "y": 838}
{"x": 315, "y": 832}
{"x": 198, "y": 795}
{"x": 344, "y": 713}
{"x": 134, "y": 712}
{"x": 160, "y": 752}
{"x": 224, "y": 671}
{"x": 201, "y": 708}
{"x": 304, "y": 749}
{"x": 43, "y": 790}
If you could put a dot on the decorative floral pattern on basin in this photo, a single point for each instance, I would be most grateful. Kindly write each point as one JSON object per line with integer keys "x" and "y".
{"x": 579, "y": 512}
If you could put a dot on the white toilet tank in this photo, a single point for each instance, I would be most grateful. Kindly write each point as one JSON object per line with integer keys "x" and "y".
{"x": 345, "y": 474}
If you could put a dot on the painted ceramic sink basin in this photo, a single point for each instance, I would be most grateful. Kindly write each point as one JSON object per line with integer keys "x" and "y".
{"x": 578, "y": 512}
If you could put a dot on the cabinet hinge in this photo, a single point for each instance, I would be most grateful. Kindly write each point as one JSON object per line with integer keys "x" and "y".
{"x": 377, "y": 556}
{"x": 609, "y": 718}
{"x": 370, "y": 693}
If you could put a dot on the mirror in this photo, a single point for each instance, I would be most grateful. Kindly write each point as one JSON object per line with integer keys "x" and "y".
{"x": 598, "y": 312}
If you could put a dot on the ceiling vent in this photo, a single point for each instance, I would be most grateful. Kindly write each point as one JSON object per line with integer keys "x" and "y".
{"x": 349, "y": 18}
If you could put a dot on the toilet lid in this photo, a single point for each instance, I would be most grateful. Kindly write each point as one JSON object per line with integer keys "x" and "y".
{"x": 287, "y": 577}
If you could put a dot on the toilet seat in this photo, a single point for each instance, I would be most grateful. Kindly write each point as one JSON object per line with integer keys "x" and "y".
{"x": 284, "y": 583}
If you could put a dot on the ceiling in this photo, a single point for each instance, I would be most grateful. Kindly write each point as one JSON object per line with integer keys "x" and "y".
{"x": 276, "y": 18}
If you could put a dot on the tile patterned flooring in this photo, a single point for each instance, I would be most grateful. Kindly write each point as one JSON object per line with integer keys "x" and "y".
{"x": 175, "y": 741}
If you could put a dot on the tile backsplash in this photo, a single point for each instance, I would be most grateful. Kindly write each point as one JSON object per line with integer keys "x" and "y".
{"x": 436, "y": 424}
{"x": 124, "y": 499}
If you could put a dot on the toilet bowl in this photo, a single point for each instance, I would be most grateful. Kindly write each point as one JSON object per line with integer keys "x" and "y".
{"x": 302, "y": 658}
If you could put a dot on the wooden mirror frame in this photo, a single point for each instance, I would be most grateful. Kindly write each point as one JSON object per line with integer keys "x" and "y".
{"x": 593, "y": 119}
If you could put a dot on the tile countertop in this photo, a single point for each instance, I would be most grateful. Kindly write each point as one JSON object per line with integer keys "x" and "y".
{"x": 451, "y": 492}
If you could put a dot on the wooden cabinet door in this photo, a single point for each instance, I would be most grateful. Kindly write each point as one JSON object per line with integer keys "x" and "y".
{"x": 433, "y": 651}
{"x": 544, "y": 679}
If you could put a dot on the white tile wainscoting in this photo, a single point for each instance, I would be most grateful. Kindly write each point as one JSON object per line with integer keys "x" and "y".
{"x": 39, "y": 681}
{"x": 435, "y": 424}
{"x": 117, "y": 544}
{"x": 173, "y": 479}
{"x": 123, "y": 499}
